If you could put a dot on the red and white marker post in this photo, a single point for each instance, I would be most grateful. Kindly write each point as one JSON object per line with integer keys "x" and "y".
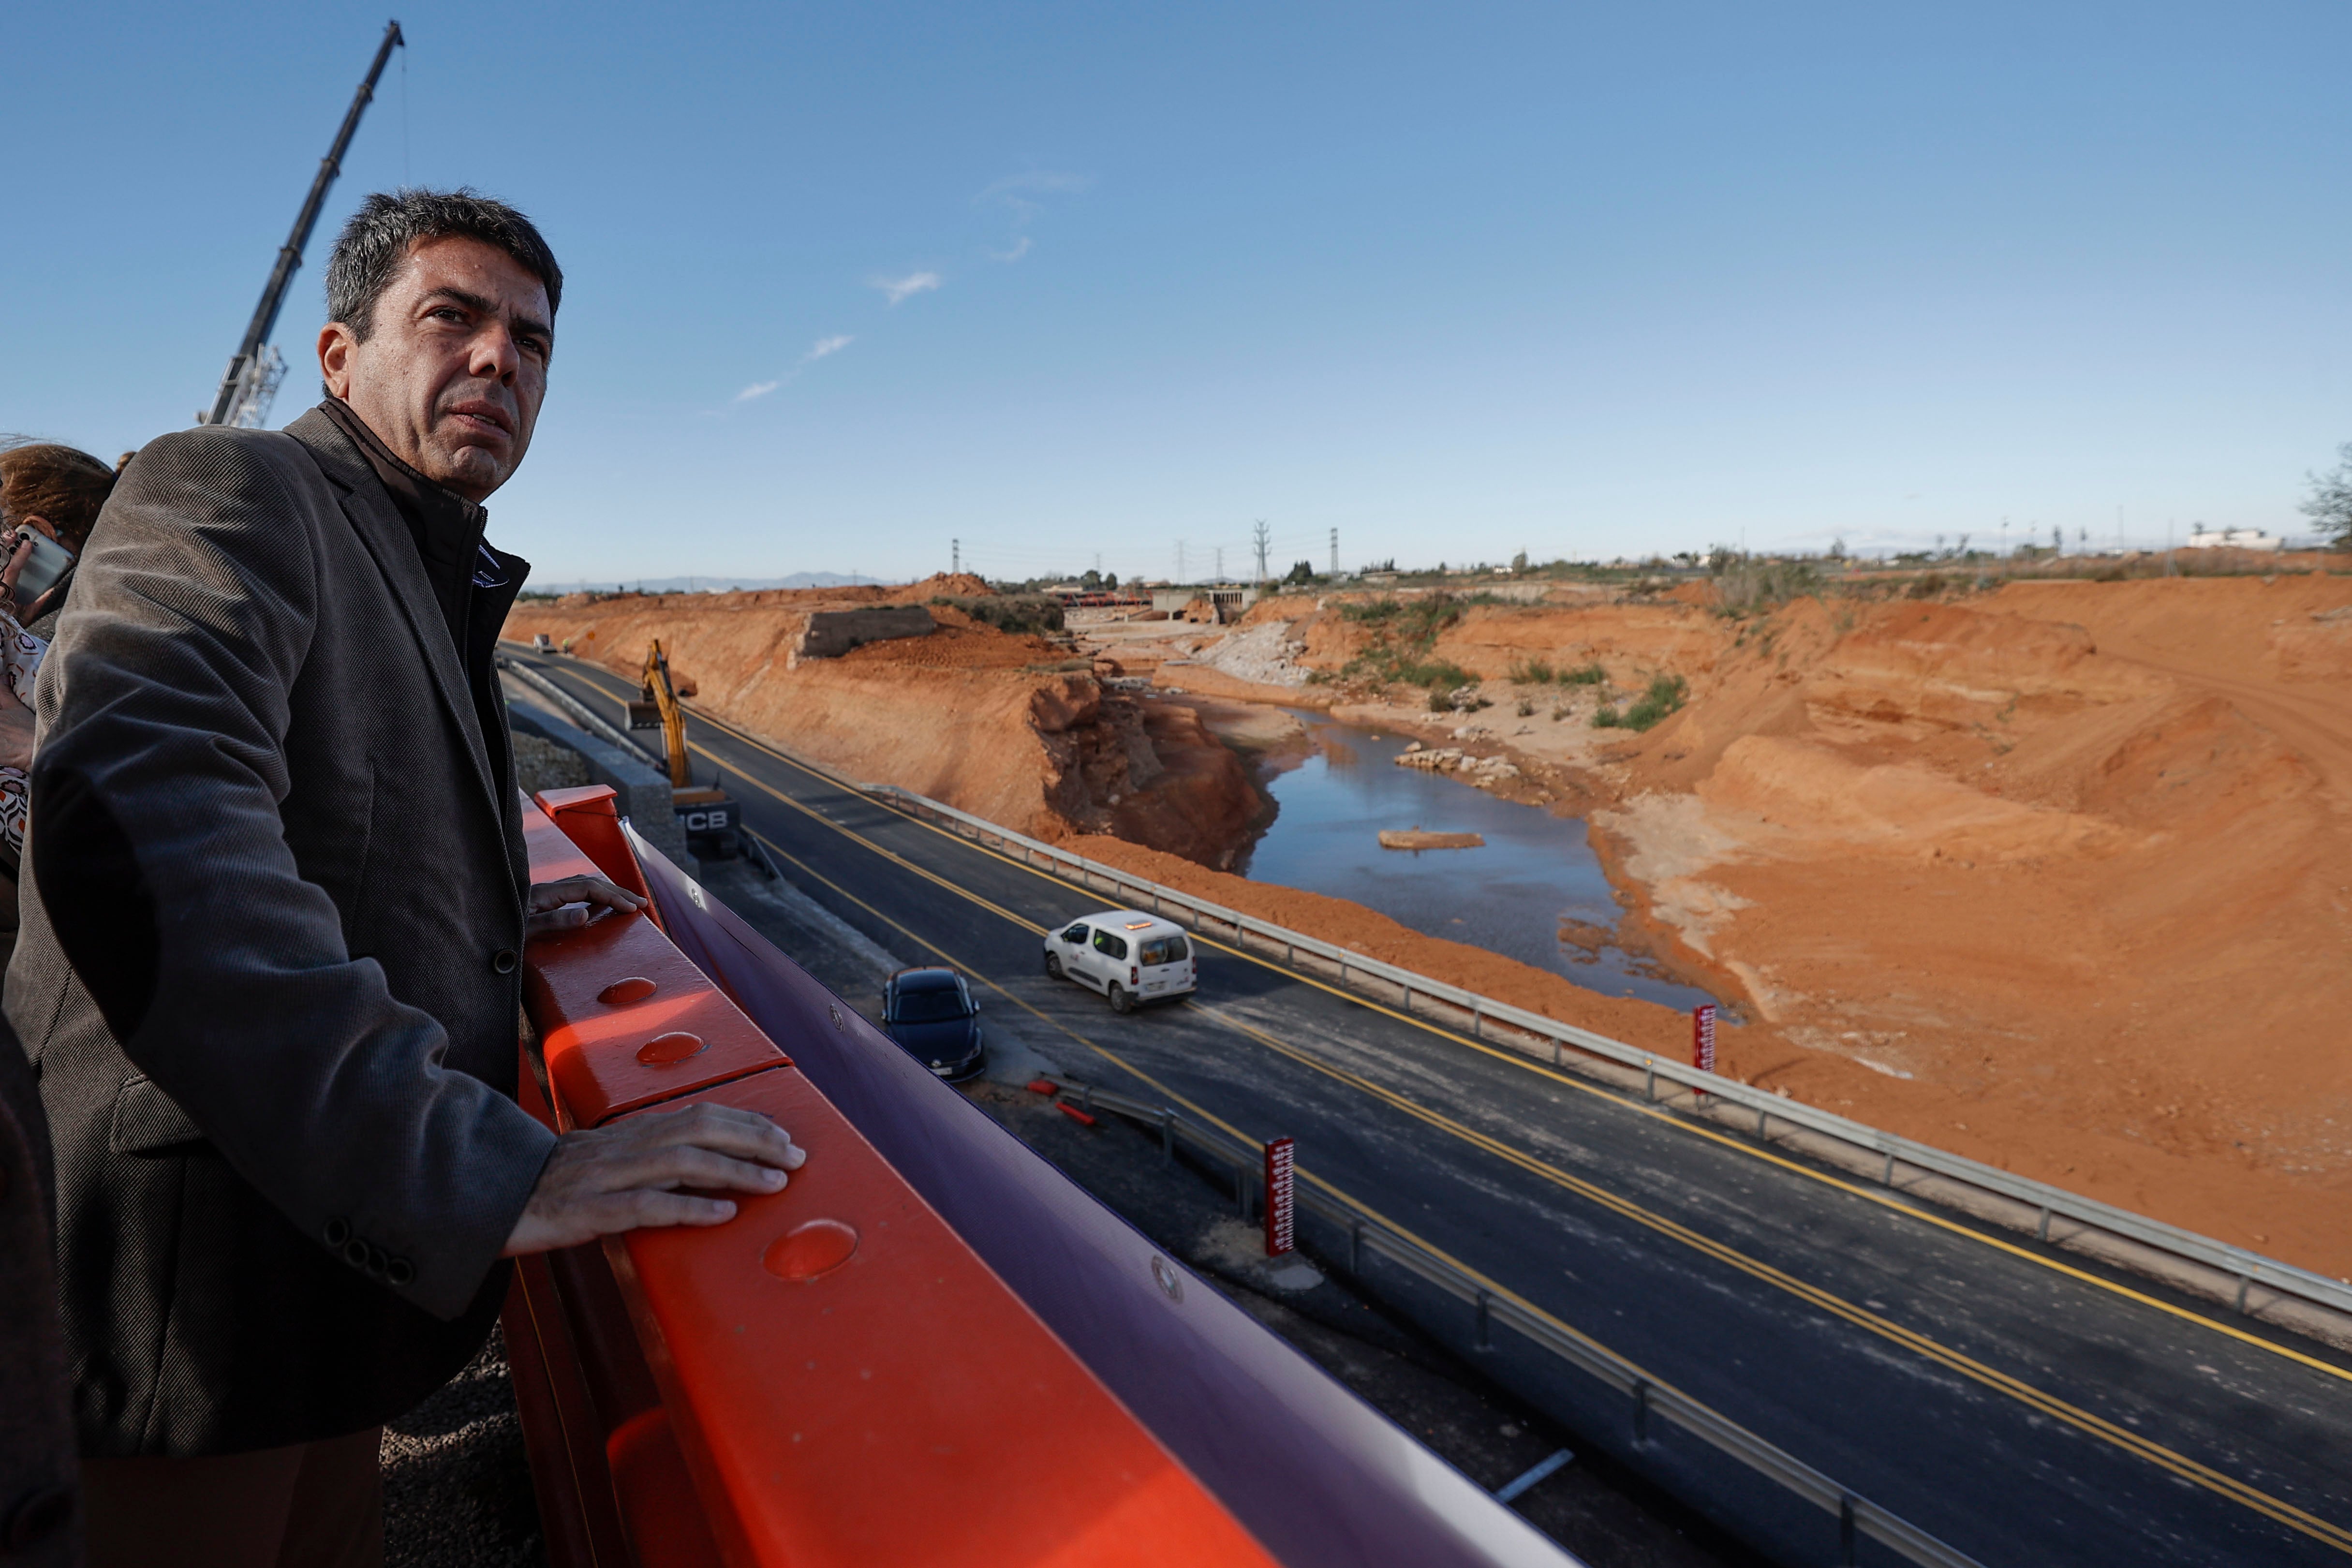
{"x": 1281, "y": 1199}
{"x": 1702, "y": 1037}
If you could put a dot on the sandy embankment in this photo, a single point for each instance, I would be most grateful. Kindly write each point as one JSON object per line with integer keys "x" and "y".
{"x": 1011, "y": 728}
{"x": 2058, "y": 876}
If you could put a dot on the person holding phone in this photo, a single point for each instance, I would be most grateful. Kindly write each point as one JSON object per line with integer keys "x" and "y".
{"x": 50, "y": 496}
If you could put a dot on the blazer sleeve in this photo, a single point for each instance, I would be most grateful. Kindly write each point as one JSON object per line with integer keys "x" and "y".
{"x": 162, "y": 867}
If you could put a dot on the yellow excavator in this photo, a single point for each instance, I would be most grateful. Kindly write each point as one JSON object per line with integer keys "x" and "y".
{"x": 712, "y": 821}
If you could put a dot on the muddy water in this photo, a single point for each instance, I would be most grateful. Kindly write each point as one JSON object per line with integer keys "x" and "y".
{"x": 1536, "y": 870}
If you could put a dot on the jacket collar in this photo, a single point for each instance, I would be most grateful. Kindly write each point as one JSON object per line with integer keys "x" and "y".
{"x": 385, "y": 533}
{"x": 448, "y": 527}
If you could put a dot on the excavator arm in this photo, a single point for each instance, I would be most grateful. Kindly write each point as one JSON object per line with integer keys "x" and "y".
{"x": 660, "y": 707}
{"x": 714, "y": 829}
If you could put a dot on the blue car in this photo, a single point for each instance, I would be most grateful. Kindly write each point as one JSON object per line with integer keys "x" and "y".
{"x": 931, "y": 1012}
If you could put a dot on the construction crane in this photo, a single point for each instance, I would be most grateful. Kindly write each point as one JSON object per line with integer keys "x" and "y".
{"x": 250, "y": 383}
{"x": 711, "y": 820}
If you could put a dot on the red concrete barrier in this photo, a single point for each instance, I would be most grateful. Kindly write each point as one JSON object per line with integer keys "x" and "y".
{"x": 833, "y": 1376}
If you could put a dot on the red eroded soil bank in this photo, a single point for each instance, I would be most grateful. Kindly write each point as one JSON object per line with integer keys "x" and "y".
{"x": 1011, "y": 728}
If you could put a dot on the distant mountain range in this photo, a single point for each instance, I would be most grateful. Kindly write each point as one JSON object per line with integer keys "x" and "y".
{"x": 692, "y": 585}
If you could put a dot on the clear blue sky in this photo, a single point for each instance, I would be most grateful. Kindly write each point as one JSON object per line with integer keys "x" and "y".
{"x": 1454, "y": 280}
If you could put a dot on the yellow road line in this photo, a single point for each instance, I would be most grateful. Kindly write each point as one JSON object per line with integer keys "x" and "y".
{"x": 2026, "y": 1394}
{"x": 2049, "y": 1405}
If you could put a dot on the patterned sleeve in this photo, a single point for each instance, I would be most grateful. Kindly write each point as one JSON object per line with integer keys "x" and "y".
{"x": 21, "y": 651}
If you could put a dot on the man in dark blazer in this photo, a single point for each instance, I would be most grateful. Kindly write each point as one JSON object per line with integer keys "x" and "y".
{"x": 269, "y": 968}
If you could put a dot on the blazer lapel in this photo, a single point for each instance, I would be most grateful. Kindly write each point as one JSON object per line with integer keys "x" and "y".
{"x": 379, "y": 528}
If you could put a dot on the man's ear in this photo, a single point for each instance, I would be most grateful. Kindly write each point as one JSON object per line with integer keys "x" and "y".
{"x": 335, "y": 345}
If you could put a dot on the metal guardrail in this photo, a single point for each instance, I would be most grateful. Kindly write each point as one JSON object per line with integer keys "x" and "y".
{"x": 1653, "y": 1400}
{"x": 2247, "y": 1268}
{"x": 603, "y": 728}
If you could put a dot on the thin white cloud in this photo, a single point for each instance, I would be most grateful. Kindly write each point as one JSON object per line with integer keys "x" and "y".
{"x": 824, "y": 346}
{"x": 898, "y": 289}
{"x": 1020, "y": 196}
{"x": 757, "y": 389}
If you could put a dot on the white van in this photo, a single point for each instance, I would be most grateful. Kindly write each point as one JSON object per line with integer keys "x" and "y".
{"x": 1126, "y": 955}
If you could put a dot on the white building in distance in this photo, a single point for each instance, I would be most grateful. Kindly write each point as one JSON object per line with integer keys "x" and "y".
{"x": 2204, "y": 537}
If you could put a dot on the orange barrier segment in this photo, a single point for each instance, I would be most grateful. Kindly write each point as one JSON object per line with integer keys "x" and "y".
{"x": 589, "y": 816}
{"x": 627, "y": 1021}
{"x": 845, "y": 1380}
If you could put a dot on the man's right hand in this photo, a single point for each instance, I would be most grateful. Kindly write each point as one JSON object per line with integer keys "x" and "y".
{"x": 602, "y": 1181}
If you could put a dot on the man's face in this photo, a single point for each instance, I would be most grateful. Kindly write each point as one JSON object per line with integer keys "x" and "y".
{"x": 454, "y": 367}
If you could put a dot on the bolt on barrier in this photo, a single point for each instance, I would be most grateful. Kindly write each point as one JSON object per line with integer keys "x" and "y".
{"x": 1369, "y": 1237}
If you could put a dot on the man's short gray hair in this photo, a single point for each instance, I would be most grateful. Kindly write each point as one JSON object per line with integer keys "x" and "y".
{"x": 378, "y": 238}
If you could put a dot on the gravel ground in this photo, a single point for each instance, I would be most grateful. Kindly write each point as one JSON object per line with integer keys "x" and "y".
{"x": 456, "y": 1488}
{"x": 543, "y": 764}
{"x": 1261, "y": 654}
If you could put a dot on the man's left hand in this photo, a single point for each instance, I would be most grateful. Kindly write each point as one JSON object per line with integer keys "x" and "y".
{"x": 572, "y": 902}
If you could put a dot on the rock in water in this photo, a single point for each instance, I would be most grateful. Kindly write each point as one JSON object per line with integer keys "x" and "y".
{"x": 1414, "y": 838}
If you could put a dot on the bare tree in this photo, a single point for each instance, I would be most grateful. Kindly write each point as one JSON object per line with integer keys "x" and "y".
{"x": 2330, "y": 505}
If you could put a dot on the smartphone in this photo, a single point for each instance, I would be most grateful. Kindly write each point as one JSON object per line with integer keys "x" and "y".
{"x": 49, "y": 563}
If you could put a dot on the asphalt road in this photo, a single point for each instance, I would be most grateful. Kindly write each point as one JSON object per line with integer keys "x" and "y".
{"x": 2019, "y": 1404}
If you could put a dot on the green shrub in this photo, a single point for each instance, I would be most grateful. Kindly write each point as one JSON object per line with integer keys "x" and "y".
{"x": 1541, "y": 672}
{"x": 1015, "y": 612}
{"x": 1665, "y": 694}
{"x": 1744, "y": 584}
{"x": 1525, "y": 708}
{"x": 1436, "y": 672}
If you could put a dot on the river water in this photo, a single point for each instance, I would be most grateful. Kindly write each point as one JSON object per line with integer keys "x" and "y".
{"x": 1510, "y": 897}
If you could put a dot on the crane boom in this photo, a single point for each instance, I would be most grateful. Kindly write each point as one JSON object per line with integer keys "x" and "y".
{"x": 241, "y": 384}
